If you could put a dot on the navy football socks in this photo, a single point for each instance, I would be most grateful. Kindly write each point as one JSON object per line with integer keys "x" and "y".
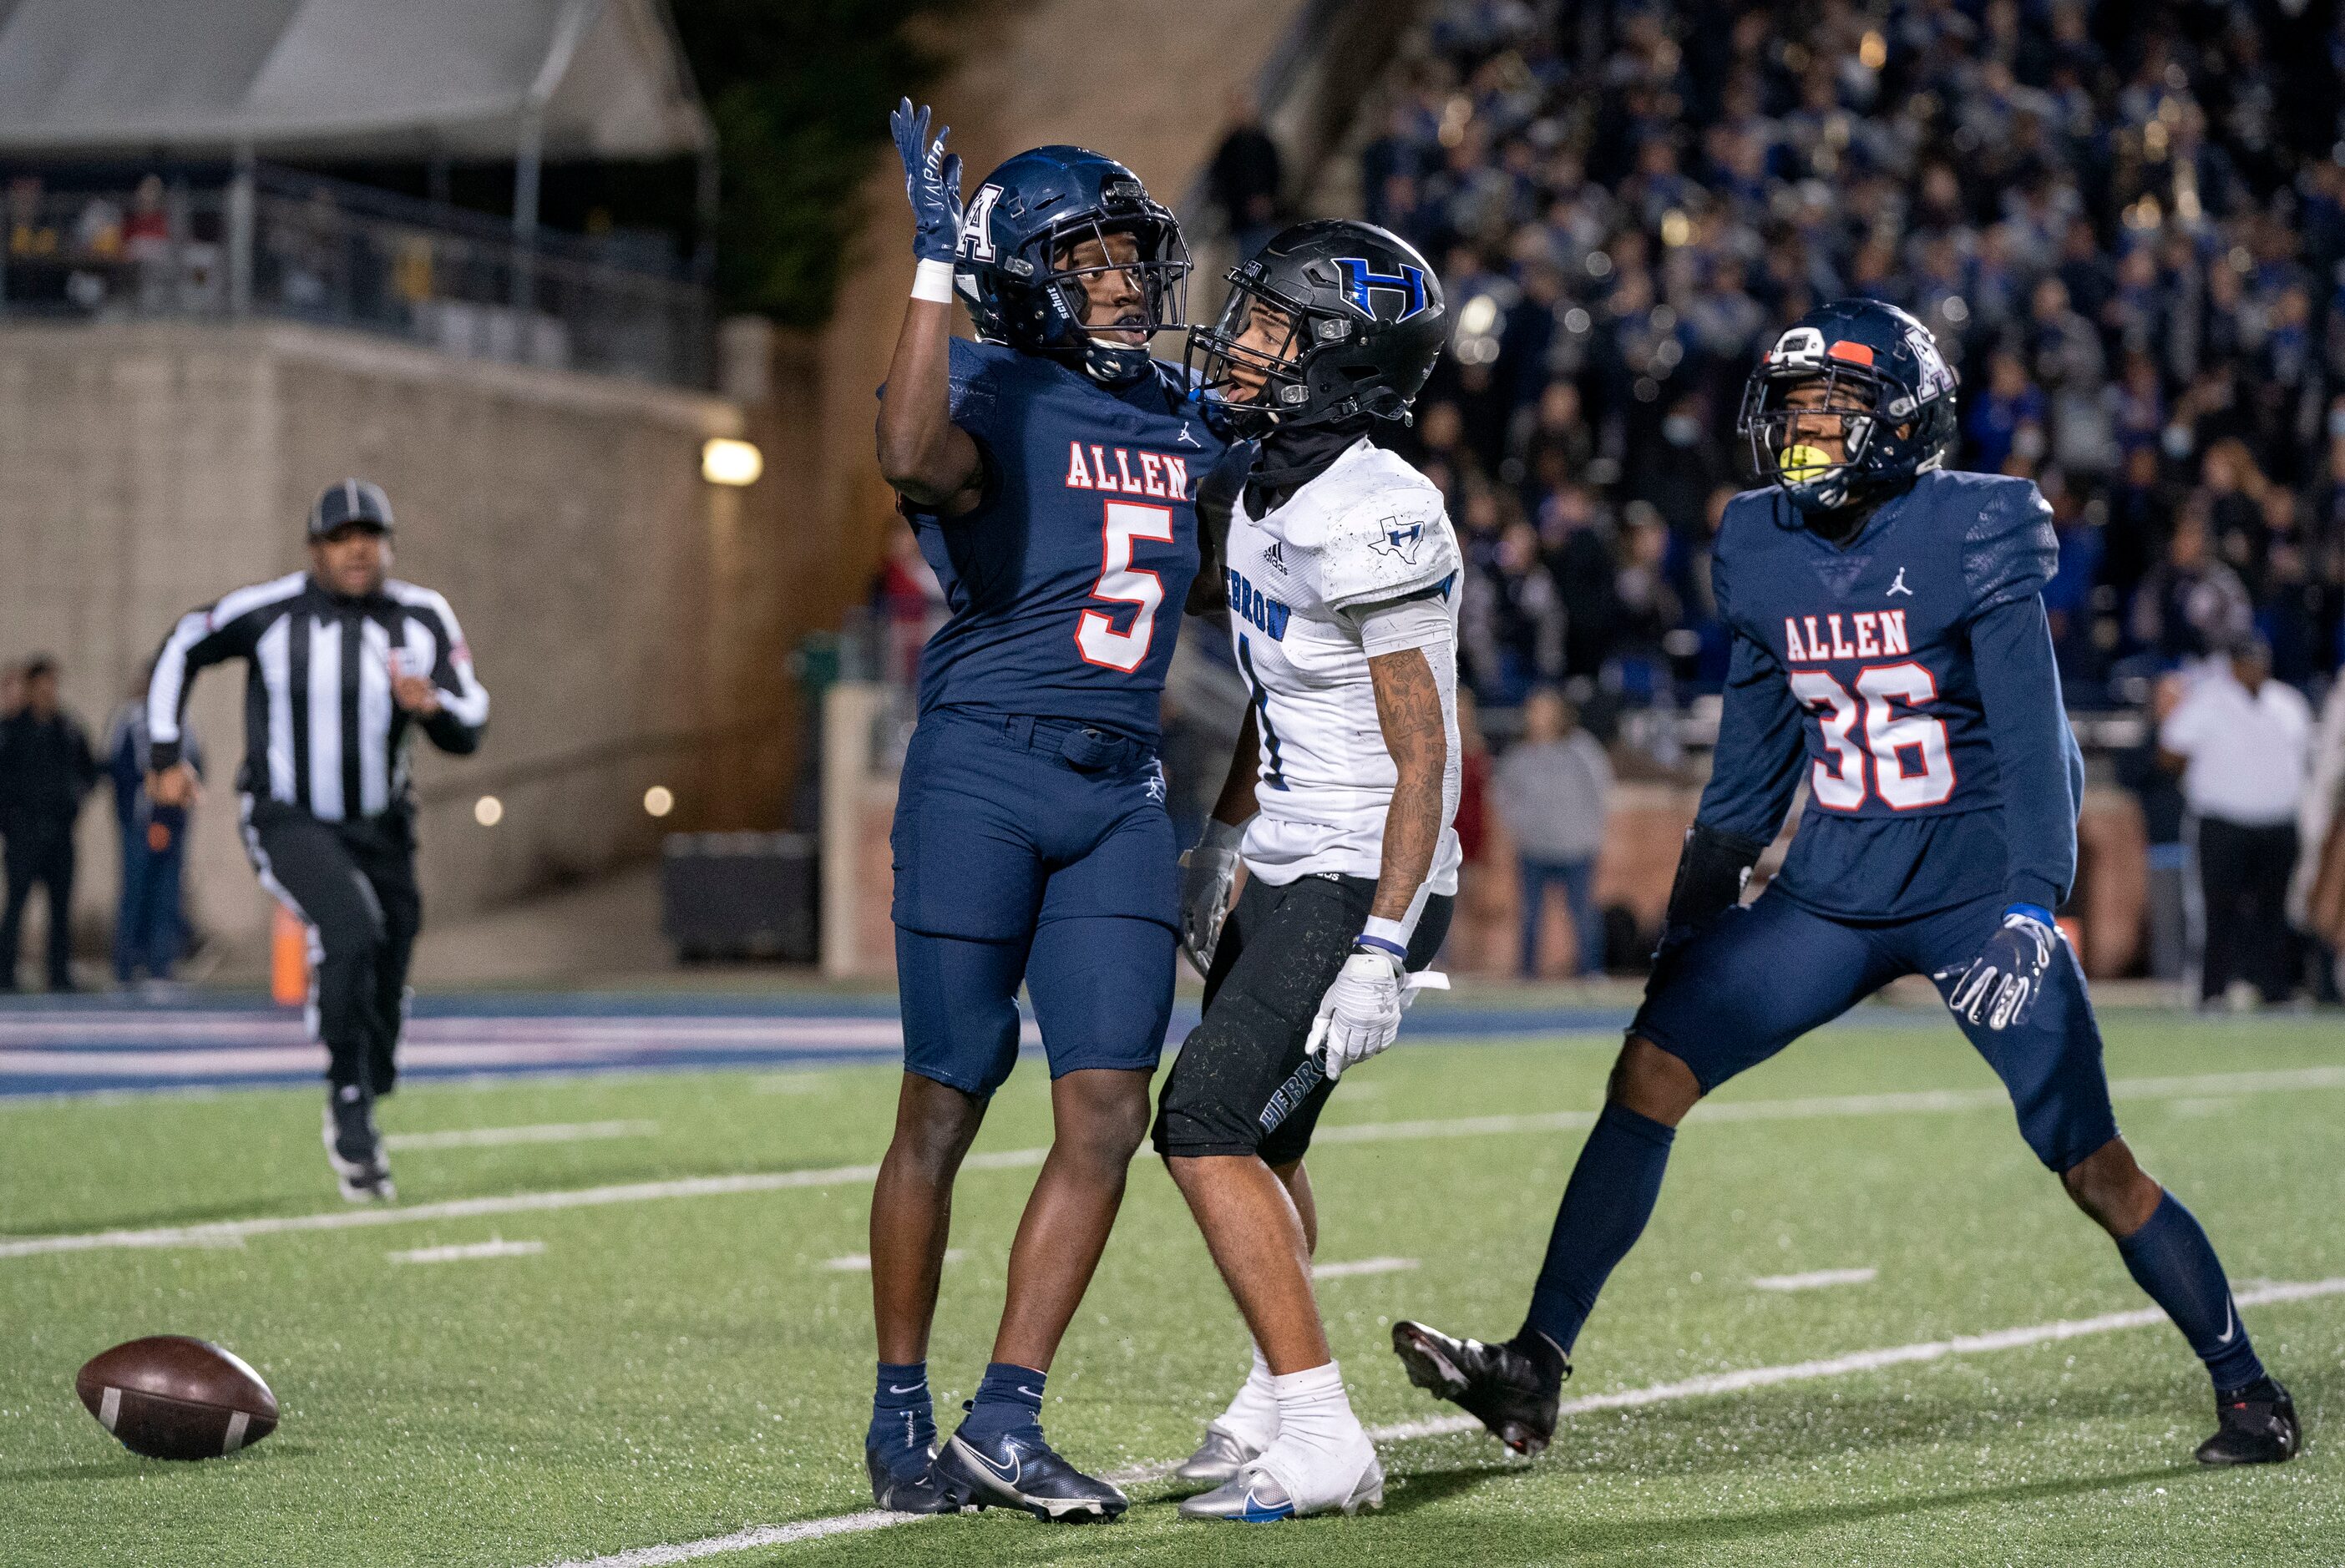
{"x": 1009, "y": 1398}
{"x": 1605, "y": 1206}
{"x": 903, "y": 1418}
{"x": 2170, "y": 1258}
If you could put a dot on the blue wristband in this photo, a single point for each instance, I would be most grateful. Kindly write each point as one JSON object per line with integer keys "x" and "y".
{"x": 2036, "y": 912}
{"x": 1378, "y": 944}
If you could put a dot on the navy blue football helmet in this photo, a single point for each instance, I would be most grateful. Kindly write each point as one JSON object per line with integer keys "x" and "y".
{"x": 1880, "y": 371}
{"x": 1016, "y": 270}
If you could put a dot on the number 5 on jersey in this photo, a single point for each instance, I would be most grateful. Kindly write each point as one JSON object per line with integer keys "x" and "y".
{"x": 1096, "y": 638}
{"x": 1888, "y": 736}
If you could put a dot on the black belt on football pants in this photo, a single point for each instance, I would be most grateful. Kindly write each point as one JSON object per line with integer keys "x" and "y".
{"x": 354, "y": 883}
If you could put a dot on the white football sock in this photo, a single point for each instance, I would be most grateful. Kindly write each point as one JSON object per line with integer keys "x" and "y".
{"x": 1252, "y": 1415}
{"x": 1322, "y": 1450}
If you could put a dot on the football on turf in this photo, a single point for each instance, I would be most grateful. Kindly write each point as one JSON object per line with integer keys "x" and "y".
{"x": 170, "y": 1397}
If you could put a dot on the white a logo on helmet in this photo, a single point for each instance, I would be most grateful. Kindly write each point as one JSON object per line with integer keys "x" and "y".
{"x": 976, "y": 225}
{"x": 1935, "y": 378}
{"x": 1802, "y": 346}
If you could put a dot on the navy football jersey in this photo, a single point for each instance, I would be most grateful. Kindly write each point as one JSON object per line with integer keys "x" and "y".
{"x": 1065, "y": 583}
{"x": 1907, "y": 681}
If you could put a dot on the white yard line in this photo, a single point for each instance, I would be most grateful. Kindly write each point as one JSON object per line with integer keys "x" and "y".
{"x": 1362, "y": 1266}
{"x": 1446, "y": 1426}
{"x": 497, "y": 1136}
{"x": 1816, "y": 1279}
{"x": 466, "y": 1252}
{"x": 228, "y": 1233}
{"x": 860, "y": 1262}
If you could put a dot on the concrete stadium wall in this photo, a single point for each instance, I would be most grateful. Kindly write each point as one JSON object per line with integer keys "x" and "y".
{"x": 620, "y": 609}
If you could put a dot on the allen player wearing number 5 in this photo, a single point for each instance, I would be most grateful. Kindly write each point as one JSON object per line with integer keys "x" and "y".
{"x": 1049, "y": 473}
{"x": 1342, "y": 580}
{"x": 1889, "y": 650}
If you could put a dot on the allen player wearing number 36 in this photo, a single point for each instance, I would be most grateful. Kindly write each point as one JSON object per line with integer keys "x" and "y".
{"x": 1891, "y": 652}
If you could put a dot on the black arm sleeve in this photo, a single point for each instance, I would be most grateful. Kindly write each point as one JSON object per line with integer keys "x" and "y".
{"x": 1711, "y": 870}
{"x": 1217, "y": 492}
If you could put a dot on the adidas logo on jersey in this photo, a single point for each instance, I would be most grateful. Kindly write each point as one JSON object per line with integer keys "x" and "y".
{"x": 1251, "y": 604}
{"x": 1160, "y": 474}
{"x": 1274, "y": 553}
{"x": 1877, "y": 634}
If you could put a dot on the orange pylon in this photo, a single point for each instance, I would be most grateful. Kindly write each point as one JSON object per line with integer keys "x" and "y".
{"x": 289, "y": 960}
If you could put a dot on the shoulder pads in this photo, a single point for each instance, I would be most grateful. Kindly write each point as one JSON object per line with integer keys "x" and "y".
{"x": 1375, "y": 528}
{"x": 2010, "y": 548}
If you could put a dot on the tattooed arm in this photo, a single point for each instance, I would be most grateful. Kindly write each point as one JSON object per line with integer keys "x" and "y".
{"x": 1416, "y": 733}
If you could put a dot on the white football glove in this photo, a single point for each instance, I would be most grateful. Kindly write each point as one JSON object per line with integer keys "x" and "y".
{"x": 1207, "y": 873}
{"x": 1360, "y": 1014}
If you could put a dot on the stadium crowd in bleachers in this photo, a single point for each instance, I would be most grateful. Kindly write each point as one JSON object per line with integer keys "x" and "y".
{"x": 2124, "y": 223}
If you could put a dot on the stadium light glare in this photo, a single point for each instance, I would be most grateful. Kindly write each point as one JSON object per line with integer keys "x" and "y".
{"x": 659, "y": 800}
{"x": 488, "y": 811}
{"x": 723, "y": 461}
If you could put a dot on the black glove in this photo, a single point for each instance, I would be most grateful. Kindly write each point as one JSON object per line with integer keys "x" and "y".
{"x": 1999, "y": 987}
{"x": 1712, "y": 869}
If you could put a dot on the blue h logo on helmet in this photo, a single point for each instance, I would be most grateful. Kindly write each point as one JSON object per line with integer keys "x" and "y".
{"x": 1358, "y": 281}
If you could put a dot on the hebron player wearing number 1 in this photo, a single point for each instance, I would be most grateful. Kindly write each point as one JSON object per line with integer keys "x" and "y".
{"x": 1891, "y": 650}
{"x": 1050, "y": 473}
{"x": 1342, "y": 581}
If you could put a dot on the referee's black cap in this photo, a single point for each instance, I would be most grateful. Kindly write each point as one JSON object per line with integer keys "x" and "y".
{"x": 348, "y": 502}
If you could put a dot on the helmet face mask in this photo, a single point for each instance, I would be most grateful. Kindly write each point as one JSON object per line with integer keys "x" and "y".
{"x": 1334, "y": 323}
{"x": 1875, "y": 372}
{"x": 1249, "y": 359}
{"x": 1023, "y": 275}
{"x": 1781, "y": 428}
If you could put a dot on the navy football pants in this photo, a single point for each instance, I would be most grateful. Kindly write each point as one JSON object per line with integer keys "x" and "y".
{"x": 1033, "y": 851}
{"x": 1757, "y": 978}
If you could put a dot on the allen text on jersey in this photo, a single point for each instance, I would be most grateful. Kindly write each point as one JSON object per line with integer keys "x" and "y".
{"x": 1112, "y": 468}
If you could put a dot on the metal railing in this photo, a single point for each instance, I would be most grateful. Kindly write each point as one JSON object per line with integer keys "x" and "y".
{"x": 268, "y": 241}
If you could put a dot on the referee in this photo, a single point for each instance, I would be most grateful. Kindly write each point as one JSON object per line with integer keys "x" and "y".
{"x": 342, "y": 662}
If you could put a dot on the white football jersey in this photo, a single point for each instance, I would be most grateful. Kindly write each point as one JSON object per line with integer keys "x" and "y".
{"x": 1368, "y": 532}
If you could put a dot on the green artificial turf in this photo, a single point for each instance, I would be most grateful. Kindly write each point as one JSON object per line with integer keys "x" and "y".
{"x": 674, "y": 1370}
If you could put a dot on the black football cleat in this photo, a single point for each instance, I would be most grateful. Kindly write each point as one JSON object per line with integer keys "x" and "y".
{"x": 923, "y": 1491}
{"x": 1505, "y": 1389}
{"x": 354, "y": 1148}
{"x": 2259, "y": 1426}
{"x": 1020, "y": 1469}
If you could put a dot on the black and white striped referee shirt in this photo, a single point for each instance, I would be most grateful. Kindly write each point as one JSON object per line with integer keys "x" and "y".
{"x": 321, "y": 731}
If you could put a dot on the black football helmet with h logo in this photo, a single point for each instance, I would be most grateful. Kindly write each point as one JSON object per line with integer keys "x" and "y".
{"x": 1355, "y": 321}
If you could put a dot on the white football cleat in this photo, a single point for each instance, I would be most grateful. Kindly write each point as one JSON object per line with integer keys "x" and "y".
{"x": 1291, "y": 1480}
{"x": 1220, "y": 1457}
